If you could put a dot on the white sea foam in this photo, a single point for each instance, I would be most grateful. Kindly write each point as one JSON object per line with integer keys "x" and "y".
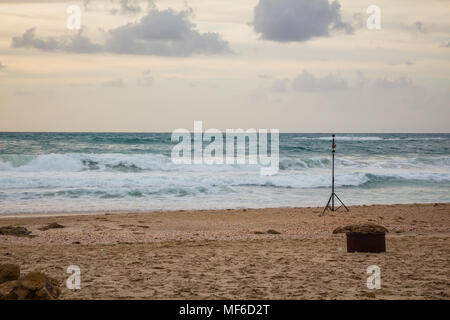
{"x": 368, "y": 138}
{"x": 76, "y": 162}
{"x": 88, "y": 172}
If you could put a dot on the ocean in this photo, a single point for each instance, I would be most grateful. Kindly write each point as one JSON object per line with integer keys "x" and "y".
{"x": 87, "y": 172}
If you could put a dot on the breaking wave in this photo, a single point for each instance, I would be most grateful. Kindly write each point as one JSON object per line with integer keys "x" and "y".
{"x": 76, "y": 162}
{"x": 87, "y": 172}
{"x": 369, "y": 138}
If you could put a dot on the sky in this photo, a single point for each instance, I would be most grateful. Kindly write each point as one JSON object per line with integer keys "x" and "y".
{"x": 293, "y": 65}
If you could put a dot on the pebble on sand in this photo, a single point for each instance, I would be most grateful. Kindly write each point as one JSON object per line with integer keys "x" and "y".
{"x": 52, "y": 225}
{"x": 15, "y": 231}
{"x": 32, "y": 286}
{"x": 9, "y": 272}
{"x": 270, "y": 231}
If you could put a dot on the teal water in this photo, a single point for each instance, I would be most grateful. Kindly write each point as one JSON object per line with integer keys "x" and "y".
{"x": 54, "y": 172}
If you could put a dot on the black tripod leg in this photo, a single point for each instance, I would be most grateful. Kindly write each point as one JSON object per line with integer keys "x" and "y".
{"x": 342, "y": 203}
{"x": 327, "y": 206}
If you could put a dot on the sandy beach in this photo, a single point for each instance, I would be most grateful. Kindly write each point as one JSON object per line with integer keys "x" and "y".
{"x": 228, "y": 254}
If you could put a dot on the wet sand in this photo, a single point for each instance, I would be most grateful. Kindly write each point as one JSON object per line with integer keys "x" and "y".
{"x": 222, "y": 254}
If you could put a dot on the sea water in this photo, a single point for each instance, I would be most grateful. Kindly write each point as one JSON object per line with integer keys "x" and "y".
{"x": 76, "y": 172}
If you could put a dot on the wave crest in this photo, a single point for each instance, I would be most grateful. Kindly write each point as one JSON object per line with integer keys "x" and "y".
{"x": 76, "y": 162}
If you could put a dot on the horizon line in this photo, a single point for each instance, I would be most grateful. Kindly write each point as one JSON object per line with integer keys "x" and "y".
{"x": 287, "y": 132}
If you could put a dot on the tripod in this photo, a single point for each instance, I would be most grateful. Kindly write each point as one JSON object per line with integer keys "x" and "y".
{"x": 333, "y": 194}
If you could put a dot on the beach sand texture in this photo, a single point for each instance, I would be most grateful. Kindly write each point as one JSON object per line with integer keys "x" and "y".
{"x": 227, "y": 254}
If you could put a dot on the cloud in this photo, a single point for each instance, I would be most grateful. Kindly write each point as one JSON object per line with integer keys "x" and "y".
{"x": 264, "y": 76}
{"x": 393, "y": 83}
{"x": 114, "y": 83}
{"x": 28, "y": 39}
{"x": 419, "y": 27}
{"x": 25, "y": 93}
{"x": 259, "y": 96}
{"x": 159, "y": 33}
{"x": 164, "y": 33}
{"x": 359, "y": 21}
{"x": 147, "y": 79}
{"x": 130, "y": 7}
{"x": 309, "y": 82}
{"x": 2, "y": 66}
{"x": 75, "y": 44}
{"x": 87, "y": 5}
{"x": 32, "y": 1}
{"x": 297, "y": 20}
{"x": 124, "y": 7}
{"x": 280, "y": 85}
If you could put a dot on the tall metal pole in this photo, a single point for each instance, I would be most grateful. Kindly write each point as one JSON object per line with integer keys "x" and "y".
{"x": 333, "y": 146}
{"x": 331, "y": 199}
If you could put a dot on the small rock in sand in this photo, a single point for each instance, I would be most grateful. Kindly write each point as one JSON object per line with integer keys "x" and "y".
{"x": 52, "y": 225}
{"x": 270, "y": 231}
{"x": 370, "y": 295}
{"x": 15, "y": 231}
{"x": 6, "y": 290}
{"x": 9, "y": 272}
{"x": 34, "y": 286}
